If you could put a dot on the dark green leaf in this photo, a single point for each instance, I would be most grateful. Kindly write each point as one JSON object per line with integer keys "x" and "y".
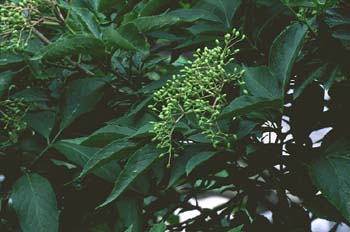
{"x": 206, "y": 28}
{"x": 161, "y": 227}
{"x": 139, "y": 106}
{"x": 130, "y": 229}
{"x": 192, "y": 15}
{"x": 83, "y": 20}
{"x": 106, "y": 135}
{"x": 300, "y": 3}
{"x": 197, "y": 159}
{"x": 35, "y": 204}
{"x": 114, "y": 151}
{"x": 316, "y": 75}
{"x": 246, "y": 104}
{"x": 80, "y": 155}
{"x": 10, "y": 58}
{"x": 156, "y": 22}
{"x": 224, "y": 9}
{"x": 237, "y": 229}
{"x": 330, "y": 173}
{"x": 72, "y": 45}
{"x": 153, "y": 6}
{"x": 135, "y": 166}
{"x": 144, "y": 131}
{"x": 42, "y": 122}
{"x": 178, "y": 165}
{"x": 261, "y": 83}
{"x": 130, "y": 212}
{"x": 81, "y": 97}
{"x": 245, "y": 127}
{"x": 33, "y": 94}
{"x": 126, "y": 37}
{"x": 284, "y": 51}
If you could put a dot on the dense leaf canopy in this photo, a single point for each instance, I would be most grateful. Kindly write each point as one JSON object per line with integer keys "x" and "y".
{"x": 121, "y": 115}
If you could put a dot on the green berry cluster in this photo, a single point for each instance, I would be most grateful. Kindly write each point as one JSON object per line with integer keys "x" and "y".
{"x": 16, "y": 20}
{"x": 12, "y": 112}
{"x": 198, "y": 91}
{"x": 320, "y": 6}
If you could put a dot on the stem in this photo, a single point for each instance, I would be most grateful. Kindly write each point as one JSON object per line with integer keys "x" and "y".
{"x": 302, "y": 20}
{"x": 48, "y": 42}
{"x": 41, "y": 36}
{"x": 49, "y": 145}
{"x": 170, "y": 136}
{"x": 50, "y": 23}
{"x": 59, "y": 13}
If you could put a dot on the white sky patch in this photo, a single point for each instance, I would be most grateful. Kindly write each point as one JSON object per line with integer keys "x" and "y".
{"x": 318, "y": 135}
{"x": 208, "y": 202}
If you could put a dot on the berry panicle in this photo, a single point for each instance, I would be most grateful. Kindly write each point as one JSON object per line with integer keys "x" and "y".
{"x": 198, "y": 89}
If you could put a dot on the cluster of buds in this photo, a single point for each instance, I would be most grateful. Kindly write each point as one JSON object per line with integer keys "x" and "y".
{"x": 12, "y": 112}
{"x": 198, "y": 91}
{"x": 320, "y": 6}
{"x": 16, "y": 22}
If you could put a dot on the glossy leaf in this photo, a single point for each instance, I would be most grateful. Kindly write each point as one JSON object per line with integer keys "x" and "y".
{"x": 284, "y": 51}
{"x": 192, "y": 15}
{"x": 7, "y": 59}
{"x": 33, "y": 94}
{"x": 237, "y": 229}
{"x": 106, "y": 135}
{"x": 179, "y": 165}
{"x": 71, "y": 45}
{"x": 130, "y": 212}
{"x": 161, "y": 227}
{"x": 153, "y": 6}
{"x": 80, "y": 155}
{"x": 261, "y": 83}
{"x": 42, "y": 122}
{"x": 130, "y": 229}
{"x": 34, "y": 202}
{"x": 135, "y": 166}
{"x": 245, "y": 127}
{"x": 152, "y": 23}
{"x": 81, "y": 97}
{"x": 330, "y": 174}
{"x": 316, "y": 75}
{"x": 245, "y": 104}
{"x": 197, "y": 159}
{"x": 83, "y": 20}
{"x": 224, "y": 9}
{"x": 126, "y": 37}
{"x": 113, "y": 151}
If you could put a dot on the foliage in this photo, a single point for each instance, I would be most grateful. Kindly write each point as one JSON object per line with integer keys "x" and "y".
{"x": 94, "y": 93}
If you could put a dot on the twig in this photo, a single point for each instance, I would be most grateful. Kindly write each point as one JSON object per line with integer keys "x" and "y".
{"x": 48, "y": 42}
{"x": 49, "y": 145}
{"x": 302, "y": 20}
{"x": 41, "y": 36}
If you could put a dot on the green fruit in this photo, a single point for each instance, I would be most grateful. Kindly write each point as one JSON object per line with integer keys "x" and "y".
{"x": 198, "y": 89}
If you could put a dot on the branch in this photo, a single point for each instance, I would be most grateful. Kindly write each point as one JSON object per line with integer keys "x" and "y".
{"x": 44, "y": 39}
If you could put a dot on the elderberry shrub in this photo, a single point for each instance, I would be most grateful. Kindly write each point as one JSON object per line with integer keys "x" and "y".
{"x": 198, "y": 90}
